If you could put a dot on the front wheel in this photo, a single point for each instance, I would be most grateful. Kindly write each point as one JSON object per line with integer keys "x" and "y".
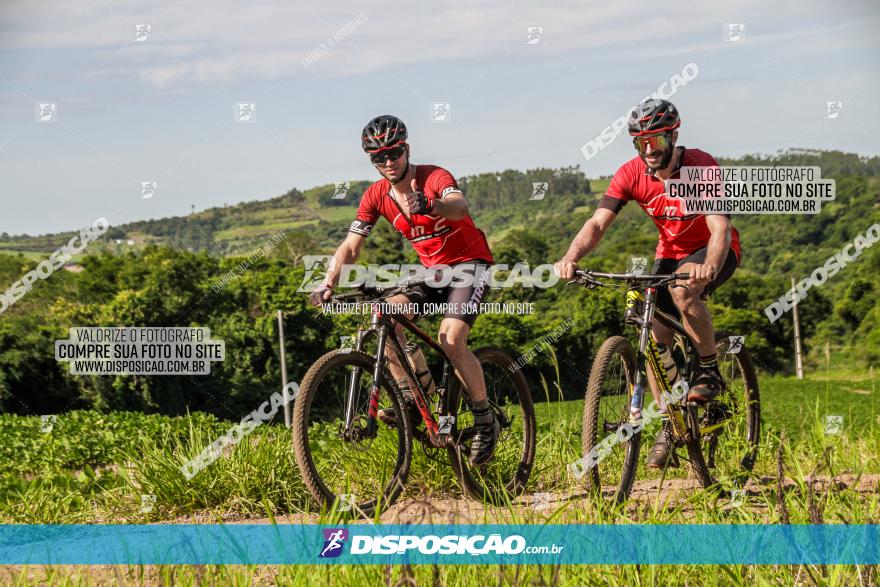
{"x": 607, "y": 461}
{"x": 349, "y": 469}
{"x": 504, "y": 476}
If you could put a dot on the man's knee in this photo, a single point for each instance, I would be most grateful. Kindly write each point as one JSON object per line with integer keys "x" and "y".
{"x": 662, "y": 334}
{"x": 686, "y": 300}
{"x": 453, "y": 340}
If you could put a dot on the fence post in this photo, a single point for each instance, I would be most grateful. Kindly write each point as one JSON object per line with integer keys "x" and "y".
{"x": 798, "y": 356}
{"x": 282, "y": 354}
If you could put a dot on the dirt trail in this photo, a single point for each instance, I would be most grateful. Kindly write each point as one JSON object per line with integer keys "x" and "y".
{"x": 536, "y": 507}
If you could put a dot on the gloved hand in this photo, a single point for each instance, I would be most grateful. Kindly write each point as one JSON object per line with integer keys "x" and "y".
{"x": 418, "y": 202}
{"x": 320, "y": 295}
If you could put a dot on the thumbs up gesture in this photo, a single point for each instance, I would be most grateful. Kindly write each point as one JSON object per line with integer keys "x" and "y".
{"x": 418, "y": 202}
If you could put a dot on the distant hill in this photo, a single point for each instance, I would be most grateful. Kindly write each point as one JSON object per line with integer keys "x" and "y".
{"x": 503, "y": 205}
{"x": 184, "y": 270}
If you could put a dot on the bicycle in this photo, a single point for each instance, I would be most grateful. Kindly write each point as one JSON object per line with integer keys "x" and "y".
{"x": 618, "y": 380}
{"x": 351, "y": 461}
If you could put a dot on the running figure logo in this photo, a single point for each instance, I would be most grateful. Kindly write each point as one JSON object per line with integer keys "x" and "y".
{"x": 637, "y": 265}
{"x": 735, "y": 32}
{"x": 535, "y": 34}
{"x": 334, "y": 539}
{"x": 340, "y": 190}
{"x": 833, "y": 108}
{"x": 440, "y": 112}
{"x": 736, "y": 344}
{"x": 539, "y": 189}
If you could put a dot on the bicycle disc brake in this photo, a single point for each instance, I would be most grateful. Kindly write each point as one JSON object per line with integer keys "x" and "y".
{"x": 716, "y": 414}
{"x": 357, "y": 437}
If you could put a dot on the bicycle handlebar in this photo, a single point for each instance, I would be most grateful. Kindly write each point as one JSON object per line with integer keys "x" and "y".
{"x": 364, "y": 291}
{"x": 589, "y": 278}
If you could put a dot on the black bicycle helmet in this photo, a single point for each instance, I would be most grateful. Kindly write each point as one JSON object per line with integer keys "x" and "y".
{"x": 383, "y": 132}
{"x": 653, "y": 116}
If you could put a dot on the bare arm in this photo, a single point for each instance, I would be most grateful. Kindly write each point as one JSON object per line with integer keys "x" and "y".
{"x": 716, "y": 250}
{"x": 346, "y": 253}
{"x": 719, "y": 242}
{"x": 585, "y": 241}
{"x": 453, "y": 206}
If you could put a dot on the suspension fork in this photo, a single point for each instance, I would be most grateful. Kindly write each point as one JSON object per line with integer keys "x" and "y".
{"x": 353, "y": 385}
{"x": 640, "y": 383}
{"x": 378, "y": 374}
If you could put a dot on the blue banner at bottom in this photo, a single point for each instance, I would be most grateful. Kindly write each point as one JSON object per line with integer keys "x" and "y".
{"x": 440, "y": 544}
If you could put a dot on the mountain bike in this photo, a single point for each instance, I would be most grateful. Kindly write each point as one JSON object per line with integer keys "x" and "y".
{"x": 616, "y": 391}
{"x": 351, "y": 461}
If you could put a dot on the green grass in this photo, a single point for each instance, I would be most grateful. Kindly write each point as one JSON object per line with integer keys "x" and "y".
{"x": 284, "y": 218}
{"x": 338, "y": 213}
{"x": 94, "y": 467}
{"x": 258, "y": 230}
{"x": 464, "y": 575}
{"x": 131, "y": 454}
{"x": 27, "y": 254}
{"x": 599, "y": 186}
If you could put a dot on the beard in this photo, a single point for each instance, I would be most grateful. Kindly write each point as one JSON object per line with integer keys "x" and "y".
{"x": 665, "y": 158}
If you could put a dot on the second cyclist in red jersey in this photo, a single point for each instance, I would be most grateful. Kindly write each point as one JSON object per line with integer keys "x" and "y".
{"x": 706, "y": 246}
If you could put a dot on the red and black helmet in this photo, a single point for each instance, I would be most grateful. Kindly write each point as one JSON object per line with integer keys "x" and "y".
{"x": 653, "y": 116}
{"x": 383, "y": 132}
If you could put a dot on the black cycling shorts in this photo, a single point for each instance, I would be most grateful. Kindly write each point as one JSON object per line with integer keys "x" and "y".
{"x": 664, "y": 300}
{"x": 461, "y": 302}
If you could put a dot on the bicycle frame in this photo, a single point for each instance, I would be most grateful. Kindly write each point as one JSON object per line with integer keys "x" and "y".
{"x": 381, "y": 325}
{"x": 648, "y": 353}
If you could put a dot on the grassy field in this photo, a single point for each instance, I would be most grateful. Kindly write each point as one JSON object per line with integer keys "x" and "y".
{"x": 87, "y": 467}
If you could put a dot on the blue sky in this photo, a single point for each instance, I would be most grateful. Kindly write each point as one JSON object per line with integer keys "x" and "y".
{"x": 163, "y": 110}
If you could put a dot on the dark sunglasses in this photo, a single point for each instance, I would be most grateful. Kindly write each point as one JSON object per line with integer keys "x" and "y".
{"x": 394, "y": 154}
{"x": 657, "y": 142}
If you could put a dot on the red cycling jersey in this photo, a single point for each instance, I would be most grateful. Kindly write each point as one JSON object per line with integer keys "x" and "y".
{"x": 437, "y": 240}
{"x": 680, "y": 234}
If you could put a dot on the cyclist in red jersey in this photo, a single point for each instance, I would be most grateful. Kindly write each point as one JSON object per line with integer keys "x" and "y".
{"x": 705, "y": 246}
{"x": 425, "y": 204}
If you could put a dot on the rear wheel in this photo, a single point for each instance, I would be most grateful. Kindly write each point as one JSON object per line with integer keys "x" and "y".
{"x": 505, "y": 475}
{"x": 610, "y": 464}
{"x": 349, "y": 470}
{"x": 732, "y": 426}
{"x": 695, "y": 448}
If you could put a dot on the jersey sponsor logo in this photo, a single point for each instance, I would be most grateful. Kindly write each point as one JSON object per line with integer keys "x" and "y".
{"x": 423, "y": 237}
{"x": 360, "y": 227}
{"x": 417, "y": 231}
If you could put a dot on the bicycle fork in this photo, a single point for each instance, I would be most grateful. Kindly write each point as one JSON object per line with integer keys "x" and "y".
{"x": 354, "y": 384}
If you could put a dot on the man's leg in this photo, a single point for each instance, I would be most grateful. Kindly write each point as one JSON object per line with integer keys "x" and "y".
{"x": 707, "y": 382}
{"x": 698, "y": 323}
{"x": 695, "y": 315}
{"x": 453, "y": 338}
{"x": 399, "y": 373}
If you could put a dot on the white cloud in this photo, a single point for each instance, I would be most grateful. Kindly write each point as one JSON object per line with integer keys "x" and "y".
{"x": 225, "y": 40}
